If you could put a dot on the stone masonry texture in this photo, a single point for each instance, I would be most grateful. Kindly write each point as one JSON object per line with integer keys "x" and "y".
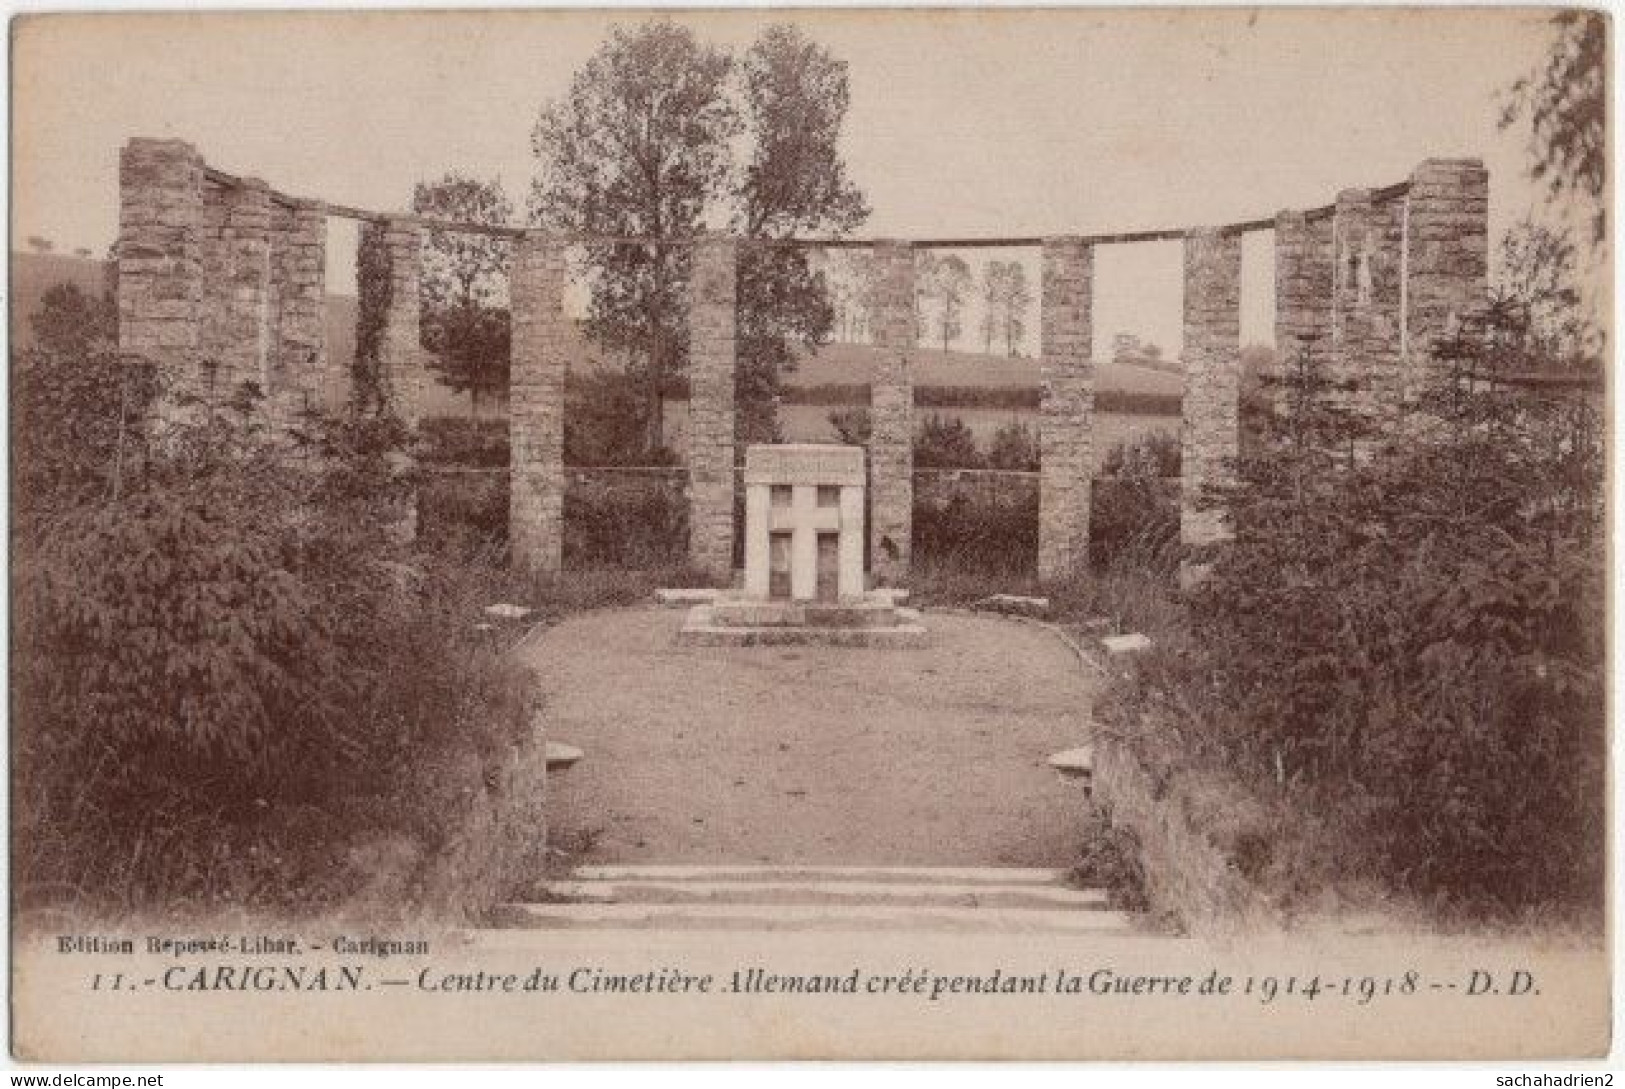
{"x": 1366, "y": 270}
{"x": 712, "y": 284}
{"x": 1303, "y": 292}
{"x": 237, "y": 286}
{"x": 1066, "y": 463}
{"x": 1210, "y": 434}
{"x": 222, "y": 282}
{"x": 400, "y": 356}
{"x": 160, "y": 265}
{"x": 891, "y": 412}
{"x": 536, "y": 404}
{"x": 1446, "y": 252}
{"x": 300, "y": 378}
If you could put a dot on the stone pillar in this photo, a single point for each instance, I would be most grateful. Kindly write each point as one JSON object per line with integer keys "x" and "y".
{"x": 243, "y": 353}
{"x": 400, "y": 353}
{"x": 891, "y": 412}
{"x": 160, "y": 264}
{"x": 1366, "y": 277}
{"x": 1303, "y": 295}
{"x": 1210, "y": 434}
{"x": 1446, "y": 255}
{"x": 711, "y": 364}
{"x": 1066, "y": 463}
{"x": 299, "y": 368}
{"x": 536, "y": 403}
{"x": 387, "y": 257}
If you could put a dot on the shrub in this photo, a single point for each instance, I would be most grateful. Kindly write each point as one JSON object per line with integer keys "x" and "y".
{"x": 625, "y": 519}
{"x": 227, "y": 660}
{"x": 1409, "y": 629}
{"x": 986, "y": 525}
{"x": 1014, "y": 446}
{"x": 945, "y": 442}
{"x": 1134, "y": 509}
{"x": 464, "y": 441}
{"x": 608, "y": 421}
{"x": 77, "y": 407}
{"x": 852, "y": 425}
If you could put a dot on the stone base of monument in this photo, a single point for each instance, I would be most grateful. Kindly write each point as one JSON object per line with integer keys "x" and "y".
{"x": 735, "y": 620}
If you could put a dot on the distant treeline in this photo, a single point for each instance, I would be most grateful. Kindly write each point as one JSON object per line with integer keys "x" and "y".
{"x": 1011, "y": 398}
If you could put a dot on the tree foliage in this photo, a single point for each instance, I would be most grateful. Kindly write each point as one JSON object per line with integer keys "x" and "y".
{"x": 78, "y": 409}
{"x": 1005, "y": 300}
{"x": 941, "y": 287}
{"x": 644, "y": 146}
{"x": 1415, "y": 629}
{"x": 463, "y": 287}
{"x": 639, "y": 147}
{"x": 1565, "y": 100}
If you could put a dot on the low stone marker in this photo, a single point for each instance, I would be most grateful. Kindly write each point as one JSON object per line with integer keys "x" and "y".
{"x": 1076, "y": 763}
{"x": 508, "y": 612}
{"x": 1014, "y": 603}
{"x": 1119, "y": 645}
{"x": 685, "y": 596}
{"x": 561, "y": 757}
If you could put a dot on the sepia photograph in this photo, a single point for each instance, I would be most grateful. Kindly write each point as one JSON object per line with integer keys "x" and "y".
{"x": 810, "y": 534}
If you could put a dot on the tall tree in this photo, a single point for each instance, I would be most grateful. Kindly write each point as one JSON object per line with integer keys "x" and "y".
{"x": 1014, "y": 303}
{"x": 993, "y": 288}
{"x": 639, "y": 147}
{"x": 464, "y": 285}
{"x": 943, "y": 287}
{"x": 795, "y": 100}
{"x": 644, "y": 146}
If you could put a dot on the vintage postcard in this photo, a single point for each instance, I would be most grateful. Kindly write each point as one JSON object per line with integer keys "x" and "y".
{"x": 1069, "y": 533}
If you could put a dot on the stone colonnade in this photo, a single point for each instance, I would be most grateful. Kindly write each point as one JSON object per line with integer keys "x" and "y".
{"x": 219, "y": 285}
{"x": 223, "y": 282}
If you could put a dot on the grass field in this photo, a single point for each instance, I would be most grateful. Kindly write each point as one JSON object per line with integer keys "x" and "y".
{"x": 834, "y": 364}
{"x": 854, "y": 363}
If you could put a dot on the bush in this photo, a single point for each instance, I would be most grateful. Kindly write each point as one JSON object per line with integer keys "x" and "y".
{"x": 1134, "y": 509}
{"x": 986, "y": 525}
{"x": 463, "y": 441}
{"x": 230, "y": 658}
{"x": 945, "y": 442}
{"x": 1014, "y": 447}
{"x": 607, "y": 421}
{"x": 77, "y": 408}
{"x": 625, "y": 519}
{"x": 1407, "y": 631}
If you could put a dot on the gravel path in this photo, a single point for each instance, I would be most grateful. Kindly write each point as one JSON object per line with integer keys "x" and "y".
{"x": 933, "y": 756}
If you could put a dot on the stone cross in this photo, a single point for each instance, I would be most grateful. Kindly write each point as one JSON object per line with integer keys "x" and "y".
{"x": 796, "y": 493}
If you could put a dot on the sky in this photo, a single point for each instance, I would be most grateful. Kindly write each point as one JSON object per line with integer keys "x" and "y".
{"x": 963, "y": 123}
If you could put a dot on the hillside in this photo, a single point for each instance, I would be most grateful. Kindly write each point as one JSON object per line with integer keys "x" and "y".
{"x": 32, "y": 274}
{"x": 840, "y": 364}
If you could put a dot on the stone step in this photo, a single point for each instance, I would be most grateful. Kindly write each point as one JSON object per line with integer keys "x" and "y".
{"x": 856, "y": 893}
{"x": 767, "y": 871}
{"x": 510, "y": 918}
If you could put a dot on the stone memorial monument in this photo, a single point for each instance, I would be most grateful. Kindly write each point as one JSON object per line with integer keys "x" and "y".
{"x": 804, "y": 569}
